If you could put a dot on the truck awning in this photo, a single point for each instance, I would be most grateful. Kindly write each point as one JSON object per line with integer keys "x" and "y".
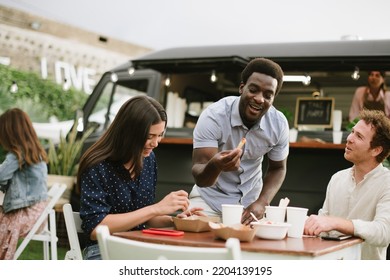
{"x": 298, "y": 56}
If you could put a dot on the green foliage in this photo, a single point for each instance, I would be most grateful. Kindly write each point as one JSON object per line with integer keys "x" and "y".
{"x": 386, "y": 163}
{"x": 34, "y": 251}
{"x": 288, "y": 114}
{"x": 64, "y": 158}
{"x": 351, "y": 124}
{"x": 39, "y": 98}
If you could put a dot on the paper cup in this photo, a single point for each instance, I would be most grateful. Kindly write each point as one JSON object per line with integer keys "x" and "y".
{"x": 337, "y": 120}
{"x": 275, "y": 213}
{"x": 231, "y": 214}
{"x": 296, "y": 216}
{"x": 293, "y": 135}
{"x": 337, "y": 137}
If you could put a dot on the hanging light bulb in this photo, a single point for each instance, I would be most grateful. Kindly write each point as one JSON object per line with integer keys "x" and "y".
{"x": 213, "y": 77}
{"x": 14, "y": 87}
{"x": 355, "y": 75}
{"x": 168, "y": 81}
{"x": 114, "y": 77}
{"x": 80, "y": 124}
{"x": 66, "y": 85}
{"x": 131, "y": 70}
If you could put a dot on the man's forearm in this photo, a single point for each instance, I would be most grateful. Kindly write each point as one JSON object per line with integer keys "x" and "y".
{"x": 205, "y": 175}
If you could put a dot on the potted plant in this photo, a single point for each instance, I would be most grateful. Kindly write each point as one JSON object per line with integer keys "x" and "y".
{"x": 64, "y": 159}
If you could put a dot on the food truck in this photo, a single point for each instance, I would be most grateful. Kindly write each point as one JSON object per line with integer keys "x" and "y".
{"x": 320, "y": 78}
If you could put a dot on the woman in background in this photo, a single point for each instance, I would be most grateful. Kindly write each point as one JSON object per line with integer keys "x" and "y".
{"x": 118, "y": 175}
{"x": 373, "y": 96}
{"x": 23, "y": 177}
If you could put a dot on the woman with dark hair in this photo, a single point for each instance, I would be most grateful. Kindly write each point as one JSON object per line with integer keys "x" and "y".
{"x": 23, "y": 176}
{"x": 373, "y": 96}
{"x": 118, "y": 174}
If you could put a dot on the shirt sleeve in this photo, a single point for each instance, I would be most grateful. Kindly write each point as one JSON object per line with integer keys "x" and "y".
{"x": 376, "y": 232}
{"x": 94, "y": 206}
{"x": 7, "y": 169}
{"x": 281, "y": 150}
{"x": 207, "y": 131}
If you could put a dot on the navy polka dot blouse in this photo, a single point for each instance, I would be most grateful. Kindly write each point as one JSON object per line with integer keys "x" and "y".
{"x": 107, "y": 188}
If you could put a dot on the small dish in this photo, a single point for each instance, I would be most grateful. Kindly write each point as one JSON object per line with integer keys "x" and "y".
{"x": 239, "y": 231}
{"x": 270, "y": 230}
{"x": 195, "y": 223}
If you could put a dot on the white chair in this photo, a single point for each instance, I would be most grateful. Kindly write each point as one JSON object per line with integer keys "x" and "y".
{"x": 73, "y": 227}
{"x": 118, "y": 248}
{"x": 49, "y": 234}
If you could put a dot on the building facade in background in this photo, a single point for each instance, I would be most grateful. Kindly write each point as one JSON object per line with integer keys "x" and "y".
{"x": 65, "y": 54}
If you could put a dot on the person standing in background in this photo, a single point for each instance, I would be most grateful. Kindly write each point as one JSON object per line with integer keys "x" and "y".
{"x": 23, "y": 179}
{"x": 373, "y": 96}
{"x": 225, "y": 173}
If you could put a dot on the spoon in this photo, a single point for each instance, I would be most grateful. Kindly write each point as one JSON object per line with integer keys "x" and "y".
{"x": 254, "y": 217}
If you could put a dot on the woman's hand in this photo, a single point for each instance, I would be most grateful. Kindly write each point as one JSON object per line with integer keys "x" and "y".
{"x": 190, "y": 212}
{"x": 173, "y": 202}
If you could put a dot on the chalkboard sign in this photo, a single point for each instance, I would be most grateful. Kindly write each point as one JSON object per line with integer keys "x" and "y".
{"x": 314, "y": 112}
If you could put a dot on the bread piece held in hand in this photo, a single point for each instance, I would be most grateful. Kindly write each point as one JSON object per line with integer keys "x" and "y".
{"x": 242, "y": 143}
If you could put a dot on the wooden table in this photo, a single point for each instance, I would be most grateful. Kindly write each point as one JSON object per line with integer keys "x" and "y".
{"x": 305, "y": 248}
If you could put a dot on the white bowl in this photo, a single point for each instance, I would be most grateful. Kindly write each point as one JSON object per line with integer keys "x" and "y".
{"x": 271, "y": 230}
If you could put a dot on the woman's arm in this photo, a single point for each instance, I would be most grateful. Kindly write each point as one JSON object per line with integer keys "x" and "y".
{"x": 126, "y": 221}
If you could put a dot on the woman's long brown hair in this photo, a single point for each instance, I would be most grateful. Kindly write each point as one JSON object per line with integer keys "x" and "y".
{"x": 17, "y": 135}
{"x": 125, "y": 138}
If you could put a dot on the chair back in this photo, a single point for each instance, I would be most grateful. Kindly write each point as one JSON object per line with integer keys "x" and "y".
{"x": 73, "y": 227}
{"x": 49, "y": 235}
{"x": 118, "y": 248}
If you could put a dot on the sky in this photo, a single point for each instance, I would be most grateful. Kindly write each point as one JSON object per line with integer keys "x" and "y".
{"x": 159, "y": 24}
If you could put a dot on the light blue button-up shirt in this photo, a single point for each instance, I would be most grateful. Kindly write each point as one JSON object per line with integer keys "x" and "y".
{"x": 220, "y": 126}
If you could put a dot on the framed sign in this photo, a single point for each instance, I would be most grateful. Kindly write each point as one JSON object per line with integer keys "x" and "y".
{"x": 314, "y": 112}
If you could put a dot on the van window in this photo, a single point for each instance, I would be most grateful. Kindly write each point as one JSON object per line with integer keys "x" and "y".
{"x": 112, "y": 98}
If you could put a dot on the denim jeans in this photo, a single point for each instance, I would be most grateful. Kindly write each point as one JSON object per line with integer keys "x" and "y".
{"x": 92, "y": 253}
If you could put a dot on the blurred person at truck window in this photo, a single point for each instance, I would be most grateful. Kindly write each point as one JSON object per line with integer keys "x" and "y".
{"x": 226, "y": 174}
{"x": 117, "y": 175}
{"x": 373, "y": 96}
{"x": 23, "y": 176}
{"x": 357, "y": 199}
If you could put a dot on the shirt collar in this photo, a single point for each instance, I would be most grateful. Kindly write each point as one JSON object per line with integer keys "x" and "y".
{"x": 372, "y": 173}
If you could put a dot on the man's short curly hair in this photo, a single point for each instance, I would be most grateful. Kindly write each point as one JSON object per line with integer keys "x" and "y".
{"x": 264, "y": 66}
{"x": 381, "y": 124}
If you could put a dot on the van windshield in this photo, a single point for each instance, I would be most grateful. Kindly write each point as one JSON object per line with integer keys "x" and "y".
{"x": 112, "y": 98}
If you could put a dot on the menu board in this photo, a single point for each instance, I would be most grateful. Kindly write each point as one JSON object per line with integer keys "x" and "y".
{"x": 314, "y": 112}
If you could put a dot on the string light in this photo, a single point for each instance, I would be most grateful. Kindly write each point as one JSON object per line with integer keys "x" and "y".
{"x": 131, "y": 71}
{"x": 168, "y": 81}
{"x": 14, "y": 87}
{"x": 66, "y": 85}
{"x": 355, "y": 75}
{"x": 213, "y": 77}
{"x": 114, "y": 77}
